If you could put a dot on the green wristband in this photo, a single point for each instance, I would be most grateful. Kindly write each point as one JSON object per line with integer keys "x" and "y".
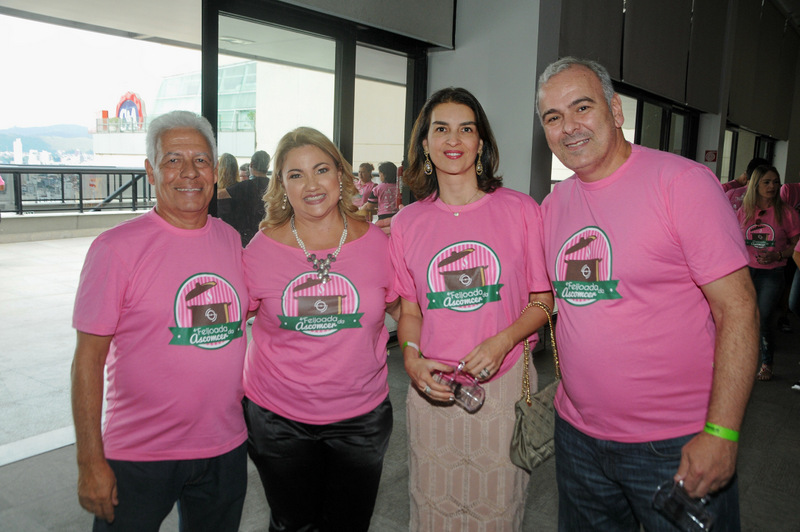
{"x": 415, "y": 346}
{"x": 722, "y": 432}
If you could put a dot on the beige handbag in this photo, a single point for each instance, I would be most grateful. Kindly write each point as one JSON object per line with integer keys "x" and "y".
{"x": 532, "y": 439}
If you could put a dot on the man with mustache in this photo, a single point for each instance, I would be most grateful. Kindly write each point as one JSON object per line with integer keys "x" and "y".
{"x": 159, "y": 308}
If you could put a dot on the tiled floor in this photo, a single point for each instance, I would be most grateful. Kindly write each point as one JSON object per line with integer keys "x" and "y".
{"x": 37, "y": 283}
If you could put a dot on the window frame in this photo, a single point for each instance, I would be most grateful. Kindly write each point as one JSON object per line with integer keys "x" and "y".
{"x": 345, "y": 33}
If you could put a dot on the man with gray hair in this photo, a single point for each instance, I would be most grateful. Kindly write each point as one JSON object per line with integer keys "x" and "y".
{"x": 657, "y": 319}
{"x": 159, "y": 308}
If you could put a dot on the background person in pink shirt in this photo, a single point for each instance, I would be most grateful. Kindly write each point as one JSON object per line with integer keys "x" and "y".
{"x": 364, "y": 184}
{"x": 736, "y": 189}
{"x": 160, "y": 306}
{"x": 771, "y": 230}
{"x": 657, "y": 319}
{"x": 384, "y": 195}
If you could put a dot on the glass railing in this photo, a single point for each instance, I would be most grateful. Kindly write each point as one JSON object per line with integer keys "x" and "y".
{"x": 44, "y": 189}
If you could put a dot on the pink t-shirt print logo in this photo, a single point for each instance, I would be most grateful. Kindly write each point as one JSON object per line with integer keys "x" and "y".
{"x": 760, "y": 236}
{"x": 208, "y": 313}
{"x": 463, "y": 277}
{"x": 583, "y": 268}
{"x": 318, "y": 309}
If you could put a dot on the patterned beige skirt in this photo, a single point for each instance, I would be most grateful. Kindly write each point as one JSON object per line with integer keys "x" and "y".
{"x": 461, "y": 478}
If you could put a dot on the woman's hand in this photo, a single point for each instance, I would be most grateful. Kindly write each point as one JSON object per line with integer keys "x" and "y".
{"x": 487, "y": 357}
{"x": 421, "y": 372}
{"x": 768, "y": 257}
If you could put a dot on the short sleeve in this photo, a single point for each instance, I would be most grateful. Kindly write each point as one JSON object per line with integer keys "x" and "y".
{"x": 536, "y": 274}
{"x": 706, "y": 226}
{"x": 792, "y": 223}
{"x": 101, "y": 291}
{"x": 403, "y": 281}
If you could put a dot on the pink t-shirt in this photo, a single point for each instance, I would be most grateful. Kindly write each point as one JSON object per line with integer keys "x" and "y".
{"x": 731, "y": 185}
{"x": 386, "y": 194}
{"x": 790, "y": 194}
{"x": 736, "y": 197}
{"x": 627, "y": 256}
{"x": 318, "y": 353}
{"x": 173, "y": 300}
{"x": 470, "y": 274}
{"x": 364, "y": 190}
{"x": 765, "y": 234}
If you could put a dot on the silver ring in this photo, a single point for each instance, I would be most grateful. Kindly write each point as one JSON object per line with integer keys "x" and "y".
{"x": 484, "y": 374}
{"x": 427, "y": 389}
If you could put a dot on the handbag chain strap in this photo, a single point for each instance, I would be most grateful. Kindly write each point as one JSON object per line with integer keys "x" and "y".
{"x": 526, "y": 352}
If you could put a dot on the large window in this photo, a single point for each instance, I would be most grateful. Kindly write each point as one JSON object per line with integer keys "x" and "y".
{"x": 84, "y": 98}
{"x": 740, "y": 147}
{"x": 271, "y": 80}
{"x": 379, "y": 111}
{"x": 342, "y": 78}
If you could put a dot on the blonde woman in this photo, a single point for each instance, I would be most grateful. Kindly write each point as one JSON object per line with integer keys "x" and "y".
{"x": 771, "y": 230}
{"x": 317, "y": 405}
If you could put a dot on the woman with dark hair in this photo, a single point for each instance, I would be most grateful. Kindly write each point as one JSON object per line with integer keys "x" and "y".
{"x": 468, "y": 261}
{"x": 315, "y": 378}
{"x": 771, "y": 230}
{"x": 384, "y": 194}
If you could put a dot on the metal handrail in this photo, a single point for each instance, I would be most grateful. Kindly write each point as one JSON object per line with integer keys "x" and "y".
{"x": 115, "y": 181}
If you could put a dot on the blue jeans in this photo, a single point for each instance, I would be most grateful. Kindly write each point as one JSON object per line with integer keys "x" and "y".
{"x": 769, "y": 286}
{"x": 609, "y": 486}
{"x": 319, "y": 477}
{"x": 209, "y": 492}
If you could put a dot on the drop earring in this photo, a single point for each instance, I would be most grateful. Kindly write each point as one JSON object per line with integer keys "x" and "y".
{"x": 478, "y": 164}
{"x": 284, "y": 202}
{"x": 427, "y": 167}
{"x": 340, "y": 191}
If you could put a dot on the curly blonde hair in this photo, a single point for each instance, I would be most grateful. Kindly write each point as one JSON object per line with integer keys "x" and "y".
{"x": 276, "y": 215}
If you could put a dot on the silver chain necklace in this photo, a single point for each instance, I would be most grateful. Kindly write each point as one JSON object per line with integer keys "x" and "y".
{"x": 321, "y": 266}
{"x": 456, "y": 213}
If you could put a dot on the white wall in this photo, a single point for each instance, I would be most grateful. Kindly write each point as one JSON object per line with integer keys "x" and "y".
{"x": 495, "y": 59}
{"x": 708, "y": 138}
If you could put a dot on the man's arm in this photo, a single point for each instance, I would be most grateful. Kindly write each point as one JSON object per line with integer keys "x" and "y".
{"x": 708, "y": 462}
{"x": 739, "y": 182}
{"x": 97, "y": 485}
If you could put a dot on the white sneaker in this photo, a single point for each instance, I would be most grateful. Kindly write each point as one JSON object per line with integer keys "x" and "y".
{"x": 796, "y": 386}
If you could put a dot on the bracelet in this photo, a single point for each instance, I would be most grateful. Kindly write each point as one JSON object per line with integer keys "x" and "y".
{"x": 415, "y": 346}
{"x": 722, "y": 432}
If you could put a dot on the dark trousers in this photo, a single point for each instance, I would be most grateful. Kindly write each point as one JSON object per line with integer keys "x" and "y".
{"x": 209, "y": 492}
{"x": 319, "y": 477}
{"x": 607, "y": 486}
{"x": 769, "y": 285}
